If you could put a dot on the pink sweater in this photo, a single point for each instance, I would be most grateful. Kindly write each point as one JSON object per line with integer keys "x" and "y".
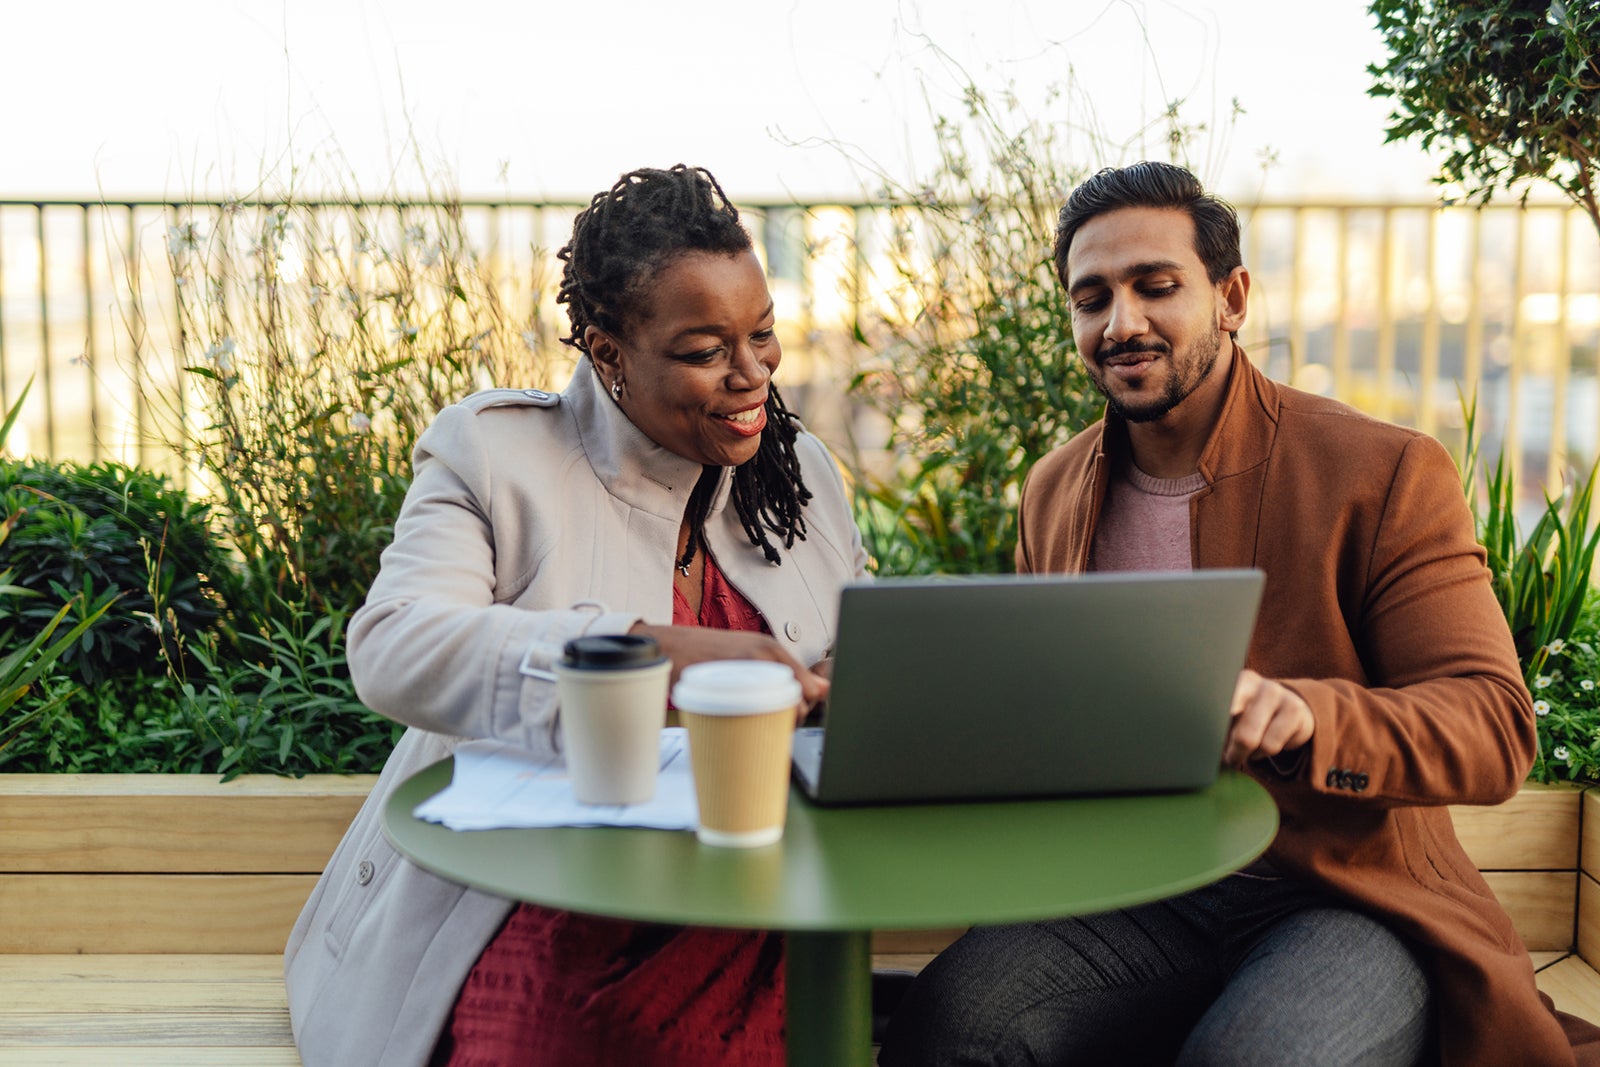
{"x": 1144, "y": 525}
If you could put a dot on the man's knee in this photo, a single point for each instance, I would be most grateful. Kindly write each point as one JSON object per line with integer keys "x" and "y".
{"x": 1285, "y": 1004}
{"x": 1071, "y": 991}
{"x": 944, "y": 1018}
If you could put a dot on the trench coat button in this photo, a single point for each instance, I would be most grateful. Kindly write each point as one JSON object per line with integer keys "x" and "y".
{"x": 536, "y": 394}
{"x": 791, "y": 630}
{"x": 364, "y": 872}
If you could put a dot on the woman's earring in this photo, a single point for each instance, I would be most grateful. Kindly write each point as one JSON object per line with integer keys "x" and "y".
{"x": 616, "y": 389}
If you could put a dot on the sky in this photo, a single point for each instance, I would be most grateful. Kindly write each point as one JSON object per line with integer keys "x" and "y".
{"x": 793, "y": 98}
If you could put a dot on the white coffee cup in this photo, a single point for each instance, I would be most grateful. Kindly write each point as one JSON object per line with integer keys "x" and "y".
{"x": 613, "y": 694}
{"x": 740, "y": 716}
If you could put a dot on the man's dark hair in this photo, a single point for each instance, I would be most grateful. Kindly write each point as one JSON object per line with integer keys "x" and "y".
{"x": 619, "y": 244}
{"x": 1160, "y": 185}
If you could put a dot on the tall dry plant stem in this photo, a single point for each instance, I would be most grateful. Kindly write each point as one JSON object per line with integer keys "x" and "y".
{"x": 318, "y": 342}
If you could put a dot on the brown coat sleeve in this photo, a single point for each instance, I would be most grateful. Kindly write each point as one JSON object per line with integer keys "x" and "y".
{"x": 1443, "y": 716}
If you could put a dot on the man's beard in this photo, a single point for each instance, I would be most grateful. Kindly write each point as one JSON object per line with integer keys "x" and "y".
{"x": 1178, "y": 387}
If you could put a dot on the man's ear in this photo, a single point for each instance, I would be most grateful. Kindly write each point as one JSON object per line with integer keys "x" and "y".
{"x": 1234, "y": 294}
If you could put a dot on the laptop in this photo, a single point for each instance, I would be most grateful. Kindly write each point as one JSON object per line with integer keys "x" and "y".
{"x": 1029, "y": 686}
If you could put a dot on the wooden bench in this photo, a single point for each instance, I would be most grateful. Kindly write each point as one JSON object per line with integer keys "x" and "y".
{"x": 142, "y": 917}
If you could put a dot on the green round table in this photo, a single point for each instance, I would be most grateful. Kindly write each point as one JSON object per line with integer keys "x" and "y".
{"x": 840, "y": 873}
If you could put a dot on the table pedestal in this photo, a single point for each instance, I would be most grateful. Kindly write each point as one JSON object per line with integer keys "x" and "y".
{"x": 828, "y": 993}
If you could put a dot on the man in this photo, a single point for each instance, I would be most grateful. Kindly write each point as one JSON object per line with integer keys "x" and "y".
{"x": 1381, "y": 686}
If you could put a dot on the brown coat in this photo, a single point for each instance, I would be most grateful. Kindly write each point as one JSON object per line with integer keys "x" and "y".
{"x": 1378, "y": 612}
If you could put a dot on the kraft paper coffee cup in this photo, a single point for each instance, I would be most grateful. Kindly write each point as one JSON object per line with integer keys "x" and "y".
{"x": 740, "y": 717}
{"x": 613, "y": 694}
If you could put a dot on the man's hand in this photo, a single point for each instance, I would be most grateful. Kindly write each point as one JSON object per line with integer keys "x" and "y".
{"x": 687, "y": 645}
{"x": 1267, "y": 719}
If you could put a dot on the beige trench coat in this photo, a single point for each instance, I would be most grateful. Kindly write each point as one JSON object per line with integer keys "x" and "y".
{"x": 532, "y": 518}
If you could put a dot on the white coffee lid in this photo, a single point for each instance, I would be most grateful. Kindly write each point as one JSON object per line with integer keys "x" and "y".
{"x": 736, "y": 687}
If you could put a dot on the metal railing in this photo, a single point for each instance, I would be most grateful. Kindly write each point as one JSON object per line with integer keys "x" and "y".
{"x": 1394, "y": 307}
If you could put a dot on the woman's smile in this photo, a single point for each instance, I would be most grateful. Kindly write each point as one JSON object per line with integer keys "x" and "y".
{"x": 748, "y": 422}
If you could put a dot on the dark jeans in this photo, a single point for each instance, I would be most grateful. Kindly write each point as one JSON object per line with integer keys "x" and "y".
{"x": 1247, "y": 971}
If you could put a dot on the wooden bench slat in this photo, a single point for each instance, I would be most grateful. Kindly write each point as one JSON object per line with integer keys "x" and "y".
{"x": 1574, "y": 986}
{"x": 174, "y": 823}
{"x": 95, "y": 983}
{"x": 130, "y": 1029}
{"x": 163, "y": 967}
{"x": 152, "y": 1056}
{"x": 1588, "y": 937}
{"x": 1542, "y": 904}
{"x": 1589, "y": 838}
{"x": 229, "y": 913}
{"x": 1535, "y": 830}
{"x": 914, "y": 941}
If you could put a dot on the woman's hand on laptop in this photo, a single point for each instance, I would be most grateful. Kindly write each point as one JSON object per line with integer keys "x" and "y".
{"x": 1268, "y": 719}
{"x": 687, "y": 645}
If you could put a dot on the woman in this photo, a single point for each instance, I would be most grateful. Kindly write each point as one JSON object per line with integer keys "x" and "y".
{"x": 666, "y": 491}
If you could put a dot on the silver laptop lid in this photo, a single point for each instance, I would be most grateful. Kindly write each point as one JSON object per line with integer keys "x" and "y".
{"x": 1033, "y": 685}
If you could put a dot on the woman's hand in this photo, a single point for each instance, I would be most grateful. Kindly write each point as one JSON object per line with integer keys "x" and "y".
{"x": 687, "y": 645}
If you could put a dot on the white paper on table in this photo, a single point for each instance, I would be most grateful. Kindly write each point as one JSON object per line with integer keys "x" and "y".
{"x": 497, "y": 785}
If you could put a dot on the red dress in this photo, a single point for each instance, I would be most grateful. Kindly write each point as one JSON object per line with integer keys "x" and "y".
{"x": 560, "y": 989}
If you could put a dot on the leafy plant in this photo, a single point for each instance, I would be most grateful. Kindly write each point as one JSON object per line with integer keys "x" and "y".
{"x": 1566, "y": 701}
{"x": 24, "y": 665}
{"x": 1541, "y": 579}
{"x": 88, "y": 534}
{"x": 127, "y": 724}
{"x": 1509, "y": 88}
{"x": 974, "y": 365}
{"x": 37, "y": 653}
{"x": 15, "y": 413}
{"x": 288, "y": 709}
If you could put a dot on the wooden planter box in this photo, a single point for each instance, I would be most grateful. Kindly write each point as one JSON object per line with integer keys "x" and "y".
{"x": 141, "y": 863}
{"x": 185, "y": 863}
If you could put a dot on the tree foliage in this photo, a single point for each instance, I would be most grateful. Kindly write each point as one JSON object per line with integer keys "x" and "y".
{"x": 1509, "y": 88}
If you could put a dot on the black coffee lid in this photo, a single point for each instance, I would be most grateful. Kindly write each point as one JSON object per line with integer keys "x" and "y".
{"x": 611, "y": 652}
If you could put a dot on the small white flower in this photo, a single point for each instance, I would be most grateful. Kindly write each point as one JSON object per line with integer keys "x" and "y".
{"x": 1561, "y": 752}
{"x": 1542, "y": 682}
{"x": 220, "y": 354}
{"x": 1586, "y": 685}
{"x": 183, "y": 238}
{"x": 1555, "y": 647}
{"x": 360, "y": 422}
{"x": 1541, "y": 707}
